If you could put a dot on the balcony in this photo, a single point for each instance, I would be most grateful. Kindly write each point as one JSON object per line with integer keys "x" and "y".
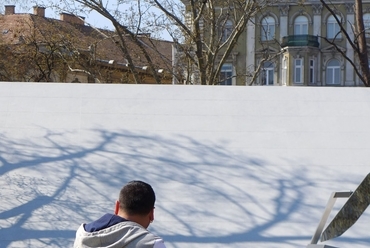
{"x": 300, "y": 40}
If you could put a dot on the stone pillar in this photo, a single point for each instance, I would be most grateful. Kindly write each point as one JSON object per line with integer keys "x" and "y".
{"x": 251, "y": 47}
{"x": 316, "y": 9}
{"x": 349, "y": 71}
{"x": 284, "y": 9}
{"x": 317, "y": 24}
{"x": 284, "y": 27}
{"x": 343, "y": 83}
{"x": 320, "y": 76}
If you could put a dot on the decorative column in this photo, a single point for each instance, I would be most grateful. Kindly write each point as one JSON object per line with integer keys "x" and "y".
{"x": 317, "y": 9}
{"x": 342, "y": 67}
{"x": 284, "y": 9}
{"x": 349, "y": 71}
{"x": 251, "y": 47}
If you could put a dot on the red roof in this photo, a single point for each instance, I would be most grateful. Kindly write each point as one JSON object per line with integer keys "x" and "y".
{"x": 17, "y": 27}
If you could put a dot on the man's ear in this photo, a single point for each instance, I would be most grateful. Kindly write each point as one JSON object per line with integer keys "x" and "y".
{"x": 151, "y": 215}
{"x": 116, "y": 208}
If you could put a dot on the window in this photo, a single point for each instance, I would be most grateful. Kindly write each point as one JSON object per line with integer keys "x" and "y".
{"x": 333, "y": 29}
{"x": 312, "y": 71}
{"x": 298, "y": 71}
{"x": 301, "y": 25}
{"x": 367, "y": 24}
{"x": 226, "y": 74}
{"x": 333, "y": 72}
{"x": 227, "y": 30}
{"x": 268, "y": 73}
{"x": 267, "y": 28}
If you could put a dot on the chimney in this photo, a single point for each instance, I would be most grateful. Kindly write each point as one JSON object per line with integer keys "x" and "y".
{"x": 72, "y": 19}
{"x": 9, "y": 9}
{"x": 39, "y": 11}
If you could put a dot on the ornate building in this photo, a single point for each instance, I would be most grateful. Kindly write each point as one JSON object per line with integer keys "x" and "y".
{"x": 295, "y": 43}
{"x": 291, "y": 42}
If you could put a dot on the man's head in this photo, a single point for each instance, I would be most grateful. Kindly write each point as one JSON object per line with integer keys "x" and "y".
{"x": 136, "y": 203}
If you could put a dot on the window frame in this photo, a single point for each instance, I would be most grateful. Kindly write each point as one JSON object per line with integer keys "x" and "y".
{"x": 333, "y": 69}
{"x": 268, "y": 28}
{"x": 311, "y": 75}
{"x": 268, "y": 71}
{"x": 226, "y": 74}
{"x": 332, "y": 28}
{"x": 300, "y": 68}
{"x": 298, "y": 22}
{"x": 227, "y": 30}
{"x": 366, "y": 18}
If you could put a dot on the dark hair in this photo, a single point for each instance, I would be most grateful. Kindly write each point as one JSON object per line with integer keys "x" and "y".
{"x": 137, "y": 197}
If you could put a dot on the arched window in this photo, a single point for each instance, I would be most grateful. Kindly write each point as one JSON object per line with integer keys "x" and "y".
{"x": 268, "y": 73}
{"x": 367, "y": 24}
{"x": 333, "y": 72}
{"x": 301, "y": 25}
{"x": 227, "y": 30}
{"x": 333, "y": 29}
{"x": 268, "y": 28}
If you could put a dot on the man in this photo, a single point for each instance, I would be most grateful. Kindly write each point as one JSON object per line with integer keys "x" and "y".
{"x": 127, "y": 227}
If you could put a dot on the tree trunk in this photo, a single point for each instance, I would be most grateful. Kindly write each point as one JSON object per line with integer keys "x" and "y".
{"x": 362, "y": 46}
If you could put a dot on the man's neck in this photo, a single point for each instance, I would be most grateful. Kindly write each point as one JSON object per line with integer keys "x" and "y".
{"x": 141, "y": 220}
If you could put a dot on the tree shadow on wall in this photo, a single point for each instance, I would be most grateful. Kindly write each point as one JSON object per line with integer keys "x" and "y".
{"x": 48, "y": 182}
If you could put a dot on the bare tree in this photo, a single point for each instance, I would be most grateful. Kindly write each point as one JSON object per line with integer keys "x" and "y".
{"x": 205, "y": 32}
{"x": 212, "y": 30}
{"x": 40, "y": 50}
{"x": 358, "y": 42}
{"x": 43, "y": 50}
{"x": 31, "y": 58}
{"x": 124, "y": 32}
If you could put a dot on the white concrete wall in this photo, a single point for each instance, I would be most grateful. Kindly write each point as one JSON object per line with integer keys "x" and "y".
{"x": 231, "y": 166}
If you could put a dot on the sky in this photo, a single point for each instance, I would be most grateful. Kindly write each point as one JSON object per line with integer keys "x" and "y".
{"x": 94, "y": 18}
{"x": 231, "y": 166}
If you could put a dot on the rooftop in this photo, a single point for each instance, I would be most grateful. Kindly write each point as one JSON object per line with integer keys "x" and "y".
{"x": 15, "y": 26}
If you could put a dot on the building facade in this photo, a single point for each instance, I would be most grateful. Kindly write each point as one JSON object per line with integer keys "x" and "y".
{"x": 296, "y": 43}
{"x": 294, "y": 36}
